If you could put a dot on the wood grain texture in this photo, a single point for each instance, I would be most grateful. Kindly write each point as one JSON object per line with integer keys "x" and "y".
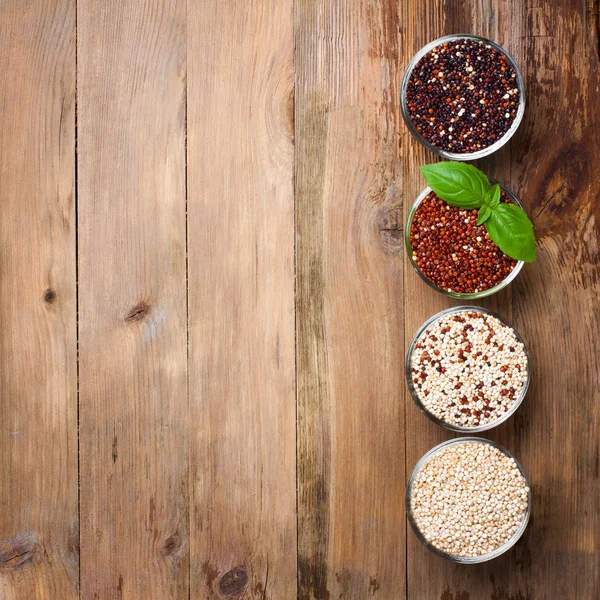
{"x": 553, "y": 303}
{"x": 241, "y": 299}
{"x": 38, "y": 339}
{"x": 351, "y": 522}
{"x": 429, "y": 576}
{"x": 132, "y": 299}
{"x": 243, "y": 304}
{"x": 556, "y": 169}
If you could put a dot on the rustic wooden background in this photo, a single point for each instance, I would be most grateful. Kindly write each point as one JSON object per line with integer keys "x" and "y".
{"x": 205, "y": 301}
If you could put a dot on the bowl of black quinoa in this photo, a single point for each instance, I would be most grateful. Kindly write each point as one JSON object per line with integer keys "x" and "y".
{"x": 462, "y": 97}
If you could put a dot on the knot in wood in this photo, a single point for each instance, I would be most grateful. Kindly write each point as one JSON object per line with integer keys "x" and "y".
{"x": 19, "y": 551}
{"x": 49, "y": 296}
{"x": 138, "y": 312}
{"x": 393, "y": 237}
{"x": 234, "y": 582}
{"x": 171, "y": 545}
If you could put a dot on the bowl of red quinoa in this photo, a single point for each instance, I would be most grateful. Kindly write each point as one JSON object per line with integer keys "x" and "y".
{"x": 462, "y": 97}
{"x": 453, "y": 254}
{"x": 468, "y": 500}
{"x": 467, "y": 369}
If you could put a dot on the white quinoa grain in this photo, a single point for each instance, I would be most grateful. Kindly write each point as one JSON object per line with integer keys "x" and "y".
{"x": 469, "y": 499}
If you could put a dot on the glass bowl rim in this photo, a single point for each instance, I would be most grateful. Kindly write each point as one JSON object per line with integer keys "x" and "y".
{"x": 411, "y": 387}
{"x": 466, "y": 559}
{"x": 457, "y": 155}
{"x": 460, "y": 296}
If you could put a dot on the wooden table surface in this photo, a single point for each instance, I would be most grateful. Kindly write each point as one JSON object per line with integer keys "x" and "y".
{"x": 205, "y": 300}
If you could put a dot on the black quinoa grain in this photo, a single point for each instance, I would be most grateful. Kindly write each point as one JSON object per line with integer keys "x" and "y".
{"x": 463, "y": 96}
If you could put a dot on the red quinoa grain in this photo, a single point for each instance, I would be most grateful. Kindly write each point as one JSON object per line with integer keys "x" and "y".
{"x": 452, "y": 251}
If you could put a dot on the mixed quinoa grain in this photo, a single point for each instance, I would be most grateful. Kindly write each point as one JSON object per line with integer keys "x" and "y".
{"x": 468, "y": 368}
{"x": 463, "y": 96}
{"x": 469, "y": 499}
{"x": 452, "y": 251}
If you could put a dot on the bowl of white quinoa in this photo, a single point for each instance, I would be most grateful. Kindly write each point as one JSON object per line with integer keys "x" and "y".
{"x": 468, "y": 500}
{"x": 467, "y": 369}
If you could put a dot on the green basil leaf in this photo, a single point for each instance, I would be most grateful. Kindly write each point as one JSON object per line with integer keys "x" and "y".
{"x": 512, "y": 231}
{"x": 457, "y": 183}
{"x": 484, "y": 214}
{"x": 492, "y": 197}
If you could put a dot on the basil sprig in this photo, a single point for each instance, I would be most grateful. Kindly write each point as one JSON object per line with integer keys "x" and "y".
{"x": 463, "y": 185}
{"x": 490, "y": 201}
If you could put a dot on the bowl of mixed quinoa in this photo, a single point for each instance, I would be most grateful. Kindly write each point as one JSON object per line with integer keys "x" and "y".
{"x": 467, "y": 369}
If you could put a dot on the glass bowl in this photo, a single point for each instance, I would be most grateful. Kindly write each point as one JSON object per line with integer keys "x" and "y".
{"x": 459, "y": 155}
{"x": 466, "y": 559}
{"x": 472, "y": 296}
{"x": 411, "y": 386}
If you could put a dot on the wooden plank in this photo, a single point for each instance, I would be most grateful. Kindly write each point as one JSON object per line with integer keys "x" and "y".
{"x": 241, "y": 299}
{"x": 554, "y": 432}
{"x": 555, "y": 169}
{"x": 349, "y": 186}
{"x": 132, "y": 292}
{"x": 430, "y": 576}
{"x": 38, "y": 339}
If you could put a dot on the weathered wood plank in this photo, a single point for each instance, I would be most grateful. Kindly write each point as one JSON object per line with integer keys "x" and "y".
{"x": 349, "y": 302}
{"x": 358, "y": 302}
{"x": 132, "y": 299}
{"x": 241, "y": 299}
{"x": 38, "y": 339}
{"x": 556, "y": 166}
{"x": 430, "y": 576}
{"x": 550, "y": 163}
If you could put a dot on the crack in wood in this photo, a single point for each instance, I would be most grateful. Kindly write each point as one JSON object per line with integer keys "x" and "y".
{"x": 266, "y": 581}
{"x": 21, "y": 551}
{"x": 394, "y": 236}
{"x": 592, "y": 10}
{"x": 558, "y": 191}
